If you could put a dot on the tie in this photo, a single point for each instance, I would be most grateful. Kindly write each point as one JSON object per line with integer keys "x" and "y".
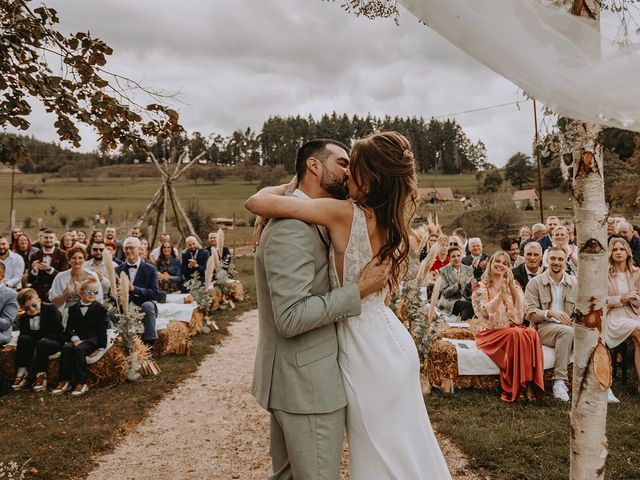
{"x": 128, "y": 267}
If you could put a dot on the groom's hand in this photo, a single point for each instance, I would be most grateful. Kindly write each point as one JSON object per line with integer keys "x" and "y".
{"x": 373, "y": 277}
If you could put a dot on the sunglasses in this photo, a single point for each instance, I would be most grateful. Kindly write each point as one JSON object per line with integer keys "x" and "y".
{"x": 31, "y": 305}
{"x": 97, "y": 249}
{"x": 91, "y": 292}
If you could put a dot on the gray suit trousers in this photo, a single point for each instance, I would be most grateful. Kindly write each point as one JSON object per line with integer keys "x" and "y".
{"x": 306, "y": 446}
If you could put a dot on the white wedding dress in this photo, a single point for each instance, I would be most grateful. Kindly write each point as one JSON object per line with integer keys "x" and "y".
{"x": 388, "y": 430}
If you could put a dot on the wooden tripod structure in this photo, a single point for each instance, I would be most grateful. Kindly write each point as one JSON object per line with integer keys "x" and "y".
{"x": 170, "y": 169}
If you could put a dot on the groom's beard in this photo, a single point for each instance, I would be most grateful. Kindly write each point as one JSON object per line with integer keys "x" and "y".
{"x": 335, "y": 186}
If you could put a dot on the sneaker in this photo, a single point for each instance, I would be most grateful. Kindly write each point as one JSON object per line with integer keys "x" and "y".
{"x": 560, "y": 391}
{"x": 62, "y": 387}
{"x": 81, "y": 389}
{"x": 611, "y": 398}
{"x": 20, "y": 382}
{"x": 40, "y": 385}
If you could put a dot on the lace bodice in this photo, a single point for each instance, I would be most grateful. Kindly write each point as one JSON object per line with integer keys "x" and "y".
{"x": 357, "y": 254}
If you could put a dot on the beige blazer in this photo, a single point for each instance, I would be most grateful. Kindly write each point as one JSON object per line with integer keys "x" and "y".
{"x": 538, "y": 297}
{"x": 296, "y": 368}
{"x": 613, "y": 300}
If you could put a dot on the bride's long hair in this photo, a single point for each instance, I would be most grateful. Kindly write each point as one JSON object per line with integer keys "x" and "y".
{"x": 382, "y": 167}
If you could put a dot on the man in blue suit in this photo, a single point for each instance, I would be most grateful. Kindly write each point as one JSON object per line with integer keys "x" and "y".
{"x": 144, "y": 289}
{"x": 194, "y": 259}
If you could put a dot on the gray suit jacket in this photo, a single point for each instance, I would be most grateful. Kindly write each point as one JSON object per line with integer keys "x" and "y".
{"x": 450, "y": 292}
{"x": 296, "y": 368}
{"x": 8, "y": 312}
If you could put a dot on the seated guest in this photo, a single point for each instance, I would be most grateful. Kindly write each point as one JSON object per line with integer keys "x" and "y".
{"x": 22, "y": 246}
{"x": 433, "y": 238}
{"x": 96, "y": 236}
{"x": 194, "y": 259}
{"x": 456, "y": 280}
{"x": 625, "y": 230}
{"x": 65, "y": 290}
{"x": 144, "y": 289}
{"x": 538, "y": 230}
{"x": 45, "y": 264}
{"x": 499, "y": 305}
{"x": 464, "y": 243}
{"x": 512, "y": 247}
{"x": 155, "y": 253}
{"x": 13, "y": 263}
{"x": 97, "y": 265}
{"x": 15, "y": 233}
{"x": 224, "y": 255}
{"x": 524, "y": 236}
{"x": 169, "y": 269}
{"x": 41, "y": 332}
{"x": 82, "y": 238}
{"x": 561, "y": 240}
{"x": 442, "y": 257}
{"x": 144, "y": 251}
{"x": 531, "y": 267}
{"x": 8, "y": 309}
{"x": 547, "y": 240}
{"x": 110, "y": 236}
{"x": 86, "y": 332}
{"x": 551, "y": 299}
{"x": 623, "y": 303}
{"x": 476, "y": 259}
{"x": 67, "y": 243}
{"x": 113, "y": 250}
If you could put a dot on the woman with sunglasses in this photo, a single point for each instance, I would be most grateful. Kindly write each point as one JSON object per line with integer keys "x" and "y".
{"x": 41, "y": 332}
{"x": 86, "y": 332}
{"x": 65, "y": 290}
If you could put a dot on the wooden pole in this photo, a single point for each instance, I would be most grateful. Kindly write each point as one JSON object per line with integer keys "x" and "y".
{"x": 535, "y": 152}
{"x": 234, "y": 236}
{"x": 12, "y": 216}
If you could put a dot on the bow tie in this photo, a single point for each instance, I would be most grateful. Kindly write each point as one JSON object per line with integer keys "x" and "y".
{"x": 128, "y": 267}
{"x": 44, "y": 255}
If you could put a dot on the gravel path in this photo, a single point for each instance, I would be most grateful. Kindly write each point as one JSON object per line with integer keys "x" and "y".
{"x": 211, "y": 427}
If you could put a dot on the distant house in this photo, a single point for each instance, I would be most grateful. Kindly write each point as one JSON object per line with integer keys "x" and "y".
{"x": 526, "y": 199}
{"x": 433, "y": 195}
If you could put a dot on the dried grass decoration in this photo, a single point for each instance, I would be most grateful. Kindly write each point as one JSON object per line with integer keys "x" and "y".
{"x": 200, "y": 321}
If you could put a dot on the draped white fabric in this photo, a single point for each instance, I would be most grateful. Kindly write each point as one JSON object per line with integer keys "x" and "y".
{"x": 553, "y": 56}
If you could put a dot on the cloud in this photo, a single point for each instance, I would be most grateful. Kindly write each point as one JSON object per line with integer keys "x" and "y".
{"x": 236, "y": 62}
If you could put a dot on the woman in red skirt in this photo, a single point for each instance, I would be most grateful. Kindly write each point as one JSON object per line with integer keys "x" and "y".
{"x": 499, "y": 304}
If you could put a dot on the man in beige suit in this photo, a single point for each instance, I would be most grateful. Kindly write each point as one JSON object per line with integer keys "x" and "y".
{"x": 296, "y": 375}
{"x": 551, "y": 299}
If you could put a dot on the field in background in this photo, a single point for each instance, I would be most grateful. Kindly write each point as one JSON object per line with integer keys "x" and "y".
{"x": 124, "y": 199}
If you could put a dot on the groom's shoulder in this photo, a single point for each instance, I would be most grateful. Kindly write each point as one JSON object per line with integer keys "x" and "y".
{"x": 290, "y": 225}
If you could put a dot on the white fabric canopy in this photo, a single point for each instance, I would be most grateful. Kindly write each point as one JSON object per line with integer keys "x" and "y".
{"x": 553, "y": 56}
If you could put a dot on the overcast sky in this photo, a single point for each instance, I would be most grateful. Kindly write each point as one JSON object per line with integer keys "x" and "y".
{"x": 236, "y": 62}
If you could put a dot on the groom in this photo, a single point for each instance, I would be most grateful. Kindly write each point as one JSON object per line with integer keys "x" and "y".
{"x": 296, "y": 375}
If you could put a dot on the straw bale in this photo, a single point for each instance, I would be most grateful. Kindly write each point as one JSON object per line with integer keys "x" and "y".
{"x": 7, "y": 361}
{"x": 197, "y": 322}
{"x": 236, "y": 290}
{"x": 216, "y": 299}
{"x": 441, "y": 362}
{"x": 188, "y": 299}
{"x": 111, "y": 368}
{"x": 175, "y": 339}
{"x": 456, "y": 333}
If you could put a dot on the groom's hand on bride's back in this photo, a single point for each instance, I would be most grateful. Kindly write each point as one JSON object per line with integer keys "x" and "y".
{"x": 373, "y": 277}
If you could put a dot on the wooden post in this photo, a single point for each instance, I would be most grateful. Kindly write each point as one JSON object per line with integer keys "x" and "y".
{"x": 12, "y": 215}
{"x": 235, "y": 234}
{"x": 535, "y": 152}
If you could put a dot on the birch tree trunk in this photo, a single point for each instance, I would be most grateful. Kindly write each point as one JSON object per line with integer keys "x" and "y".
{"x": 591, "y": 365}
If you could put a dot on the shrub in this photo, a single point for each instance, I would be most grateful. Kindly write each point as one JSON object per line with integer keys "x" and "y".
{"x": 27, "y": 223}
{"x": 64, "y": 219}
{"x": 78, "y": 222}
{"x": 497, "y": 220}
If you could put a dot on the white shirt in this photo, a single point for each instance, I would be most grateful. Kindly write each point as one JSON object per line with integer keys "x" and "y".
{"x": 14, "y": 268}
{"x": 557, "y": 295}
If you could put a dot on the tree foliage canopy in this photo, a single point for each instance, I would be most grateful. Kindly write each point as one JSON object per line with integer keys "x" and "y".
{"x": 519, "y": 170}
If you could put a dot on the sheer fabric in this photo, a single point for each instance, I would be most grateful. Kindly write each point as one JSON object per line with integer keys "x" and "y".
{"x": 559, "y": 59}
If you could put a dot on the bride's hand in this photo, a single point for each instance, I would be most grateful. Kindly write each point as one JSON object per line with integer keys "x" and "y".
{"x": 373, "y": 277}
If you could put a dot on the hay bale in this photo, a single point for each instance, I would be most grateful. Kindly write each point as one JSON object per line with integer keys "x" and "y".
{"x": 441, "y": 362}
{"x": 457, "y": 333}
{"x": 216, "y": 299}
{"x": 188, "y": 299}
{"x": 236, "y": 290}
{"x": 197, "y": 322}
{"x": 7, "y": 361}
{"x": 175, "y": 339}
{"x": 111, "y": 368}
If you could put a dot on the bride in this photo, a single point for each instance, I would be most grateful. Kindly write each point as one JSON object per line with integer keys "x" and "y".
{"x": 388, "y": 430}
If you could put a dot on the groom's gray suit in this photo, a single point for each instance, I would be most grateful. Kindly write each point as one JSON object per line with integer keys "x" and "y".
{"x": 296, "y": 374}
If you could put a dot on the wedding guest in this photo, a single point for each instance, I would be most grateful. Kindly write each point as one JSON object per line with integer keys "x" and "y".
{"x": 476, "y": 259}
{"x": 538, "y": 231}
{"x": 97, "y": 264}
{"x": 462, "y": 235}
{"x": 8, "y": 309}
{"x": 612, "y": 228}
{"x": 561, "y": 240}
{"x": 135, "y": 232}
{"x": 85, "y": 333}
{"x": 144, "y": 250}
{"x": 442, "y": 257}
{"x": 46, "y": 263}
{"x": 623, "y": 303}
{"x": 224, "y": 255}
{"x": 82, "y": 238}
{"x": 551, "y": 223}
{"x": 22, "y": 246}
{"x": 38, "y": 243}
{"x": 194, "y": 259}
{"x": 110, "y": 235}
{"x": 113, "y": 249}
{"x": 41, "y": 332}
{"x": 67, "y": 243}
{"x": 532, "y": 264}
{"x": 499, "y": 305}
{"x": 13, "y": 263}
{"x": 169, "y": 269}
{"x": 144, "y": 289}
{"x": 65, "y": 290}
{"x": 571, "y": 228}
{"x": 512, "y": 247}
{"x": 625, "y": 230}
{"x": 551, "y": 299}
{"x": 431, "y": 241}
{"x": 456, "y": 280}
{"x": 15, "y": 232}
{"x": 524, "y": 236}
{"x": 155, "y": 253}
{"x": 96, "y": 236}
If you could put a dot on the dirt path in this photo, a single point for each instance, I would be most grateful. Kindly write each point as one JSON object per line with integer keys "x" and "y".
{"x": 210, "y": 427}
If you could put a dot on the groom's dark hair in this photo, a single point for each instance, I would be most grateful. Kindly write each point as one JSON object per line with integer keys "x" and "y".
{"x": 314, "y": 148}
